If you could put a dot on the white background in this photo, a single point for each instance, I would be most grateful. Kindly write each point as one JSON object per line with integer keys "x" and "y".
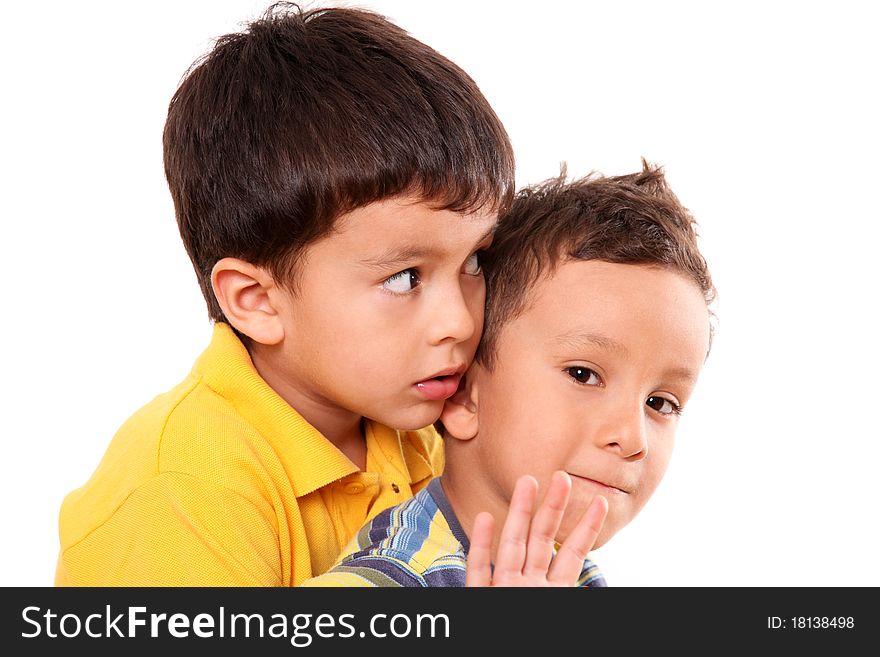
{"x": 764, "y": 114}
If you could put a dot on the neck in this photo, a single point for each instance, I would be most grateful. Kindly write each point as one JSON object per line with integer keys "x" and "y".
{"x": 340, "y": 426}
{"x": 469, "y": 494}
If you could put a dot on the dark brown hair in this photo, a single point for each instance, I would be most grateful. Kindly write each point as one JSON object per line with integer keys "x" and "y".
{"x": 306, "y": 115}
{"x": 633, "y": 219}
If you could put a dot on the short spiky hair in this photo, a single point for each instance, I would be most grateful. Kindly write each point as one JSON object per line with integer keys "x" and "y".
{"x": 306, "y": 115}
{"x": 633, "y": 219}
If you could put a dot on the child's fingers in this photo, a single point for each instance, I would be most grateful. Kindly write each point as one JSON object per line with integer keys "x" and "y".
{"x": 514, "y": 535}
{"x": 569, "y": 560}
{"x": 479, "y": 559}
{"x": 542, "y": 534}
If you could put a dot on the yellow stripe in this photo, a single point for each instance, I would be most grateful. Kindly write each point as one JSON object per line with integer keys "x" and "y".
{"x": 337, "y": 578}
{"x": 439, "y": 543}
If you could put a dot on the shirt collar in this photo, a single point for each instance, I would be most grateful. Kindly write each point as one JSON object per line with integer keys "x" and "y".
{"x": 435, "y": 490}
{"x": 309, "y": 459}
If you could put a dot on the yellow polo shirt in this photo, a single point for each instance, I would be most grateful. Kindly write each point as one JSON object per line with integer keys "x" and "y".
{"x": 219, "y": 482}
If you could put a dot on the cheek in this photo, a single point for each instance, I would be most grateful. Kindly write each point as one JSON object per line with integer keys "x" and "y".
{"x": 655, "y": 474}
{"x": 321, "y": 312}
{"x": 360, "y": 320}
{"x": 355, "y": 347}
{"x": 505, "y": 426}
{"x": 474, "y": 293}
{"x": 655, "y": 469}
{"x": 659, "y": 455}
{"x": 524, "y": 400}
{"x": 524, "y": 439}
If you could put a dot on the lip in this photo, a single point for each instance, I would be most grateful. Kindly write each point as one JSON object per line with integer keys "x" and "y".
{"x": 608, "y": 488}
{"x": 442, "y": 385}
{"x": 449, "y": 371}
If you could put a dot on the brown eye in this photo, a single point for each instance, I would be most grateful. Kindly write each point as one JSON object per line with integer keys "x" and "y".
{"x": 663, "y": 405}
{"x": 583, "y": 375}
{"x": 402, "y": 282}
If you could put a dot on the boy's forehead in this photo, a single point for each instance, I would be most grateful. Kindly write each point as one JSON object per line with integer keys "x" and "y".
{"x": 403, "y": 228}
{"x": 402, "y": 207}
{"x": 616, "y": 308}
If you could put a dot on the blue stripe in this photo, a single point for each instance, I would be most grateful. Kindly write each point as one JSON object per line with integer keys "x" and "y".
{"x": 397, "y": 534}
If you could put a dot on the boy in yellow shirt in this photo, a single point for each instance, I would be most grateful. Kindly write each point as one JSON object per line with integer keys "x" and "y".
{"x": 334, "y": 182}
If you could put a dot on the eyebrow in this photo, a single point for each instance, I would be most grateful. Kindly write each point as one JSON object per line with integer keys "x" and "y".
{"x": 682, "y": 374}
{"x": 398, "y": 256}
{"x": 582, "y": 338}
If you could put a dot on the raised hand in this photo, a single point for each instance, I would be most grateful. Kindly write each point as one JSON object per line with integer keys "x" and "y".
{"x": 525, "y": 548}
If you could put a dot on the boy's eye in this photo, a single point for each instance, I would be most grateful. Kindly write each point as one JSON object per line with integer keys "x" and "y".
{"x": 663, "y": 406}
{"x": 402, "y": 282}
{"x": 583, "y": 375}
{"x": 472, "y": 265}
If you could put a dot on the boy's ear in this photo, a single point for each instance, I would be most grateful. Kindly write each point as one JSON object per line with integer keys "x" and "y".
{"x": 246, "y": 294}
{"x": 460, "y": 412}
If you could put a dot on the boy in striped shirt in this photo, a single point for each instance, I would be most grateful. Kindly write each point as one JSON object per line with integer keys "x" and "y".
{"x": 597, "y": 325}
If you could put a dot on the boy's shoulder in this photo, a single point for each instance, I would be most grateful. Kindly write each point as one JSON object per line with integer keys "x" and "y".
{"x": 224, "y": 428}
{"x": 192, "y": 431}
{"x": 174, "y": 430}
{"x": 411, "y": 544}
{"x": 174, "y": 434}
{"x": 417, "y": 543}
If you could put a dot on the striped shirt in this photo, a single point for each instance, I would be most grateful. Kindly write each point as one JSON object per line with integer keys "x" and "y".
{"x": 416, "y": 543}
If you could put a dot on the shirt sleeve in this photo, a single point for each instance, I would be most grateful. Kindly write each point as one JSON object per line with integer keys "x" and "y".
{"x": 376, "y": 570}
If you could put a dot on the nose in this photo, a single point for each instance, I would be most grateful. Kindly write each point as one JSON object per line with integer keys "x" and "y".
{"x": 457, "y": 314}
{"x": 623, "y": 430}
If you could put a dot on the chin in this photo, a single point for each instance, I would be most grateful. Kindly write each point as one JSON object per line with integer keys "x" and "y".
{"x": 416, "y": 418}
{"x": 602, "y": 539}
{"x": 609, "y": 529}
